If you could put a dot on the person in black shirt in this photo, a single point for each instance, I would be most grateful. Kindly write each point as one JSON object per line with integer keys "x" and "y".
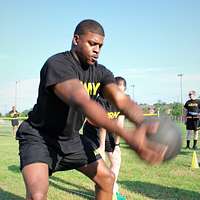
{"x": 49, "y": 139}
{"x": 14, "y": 114}
{"x": 192, "y": 113}
{"x": 105, "y": 141}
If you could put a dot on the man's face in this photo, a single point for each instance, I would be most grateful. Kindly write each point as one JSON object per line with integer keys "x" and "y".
{"x": 88, "y": 47}
{"x": 121, "y": 86}
{"x": 192, "y": 96}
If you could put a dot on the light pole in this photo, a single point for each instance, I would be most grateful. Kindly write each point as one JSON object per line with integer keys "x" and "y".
{"x": 181, "y": 89}
{"x": 15, "y": 103}
{"x": 133, "y": 86}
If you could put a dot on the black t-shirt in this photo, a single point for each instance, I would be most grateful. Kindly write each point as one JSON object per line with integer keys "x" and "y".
{"x": 51, "y": 115}
{"x": 14, "y": 114}
{"x": 112, "y": 113}
{"x": 192, "y": 107}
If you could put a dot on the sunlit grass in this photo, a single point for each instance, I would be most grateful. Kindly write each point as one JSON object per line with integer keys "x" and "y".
{"x": 171, "y": 181}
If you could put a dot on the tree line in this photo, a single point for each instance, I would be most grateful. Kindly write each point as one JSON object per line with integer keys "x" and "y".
{"x": 173, "y": 109}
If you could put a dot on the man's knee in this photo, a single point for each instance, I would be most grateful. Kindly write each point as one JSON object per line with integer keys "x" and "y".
{"x": 37, "y": 196}
{"x": 107, "y": 181}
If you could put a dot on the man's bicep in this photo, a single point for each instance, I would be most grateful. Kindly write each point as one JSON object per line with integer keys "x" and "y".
{"x": 70, "y": 91}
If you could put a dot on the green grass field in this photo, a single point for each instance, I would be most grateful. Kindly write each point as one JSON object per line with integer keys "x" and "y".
{"x": 174, "y": 180}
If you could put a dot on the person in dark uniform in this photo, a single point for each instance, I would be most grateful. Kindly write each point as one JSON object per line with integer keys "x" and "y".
{"x": 49, "y": 140}
{"x": 14, "y": 114}
{"x": 192, "y": 114}
{"x": 105, "y": 141}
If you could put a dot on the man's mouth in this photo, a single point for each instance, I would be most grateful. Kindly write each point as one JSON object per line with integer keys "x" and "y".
{"x": 94, "y": 58}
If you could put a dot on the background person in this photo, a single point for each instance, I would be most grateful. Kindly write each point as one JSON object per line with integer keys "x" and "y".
{"x": 151, "y": 110}
{"x": 192, "y": 111}
{"x": 105, "y": 141}
{"x": 111, "y": 143}
{"x": 14, "y": 114}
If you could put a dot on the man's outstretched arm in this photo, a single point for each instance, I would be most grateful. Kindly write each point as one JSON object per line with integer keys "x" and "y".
{"x": 72, "y": 92}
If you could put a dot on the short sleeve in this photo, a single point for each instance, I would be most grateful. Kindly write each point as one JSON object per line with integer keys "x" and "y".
{"x": 57, "y": 70}
{"x": 106, "y": 76}
{"x": 185, "y": 106}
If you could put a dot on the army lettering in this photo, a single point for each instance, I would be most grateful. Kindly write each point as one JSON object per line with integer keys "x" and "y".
{"x": 91, "y": 88}
{"x": 113, "y": 115}
{"x": 193, "y": 105}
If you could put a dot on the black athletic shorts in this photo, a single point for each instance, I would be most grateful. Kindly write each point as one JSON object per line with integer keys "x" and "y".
{"x": 109, "y": 143}
{"x": 193, "y": 124}
{"x": 35, "y": 147}
{"x": 14, "y": 122}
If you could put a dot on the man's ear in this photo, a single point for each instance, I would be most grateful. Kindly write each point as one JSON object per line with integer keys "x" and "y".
{"x": 75, "y": 40}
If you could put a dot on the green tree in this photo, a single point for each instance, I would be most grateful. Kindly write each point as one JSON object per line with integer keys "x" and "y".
{"x": 176, "y": 109}
{"x": 25, "y": 113}
{"x": 162, "y": 107}
{"x": 144, "y": 107}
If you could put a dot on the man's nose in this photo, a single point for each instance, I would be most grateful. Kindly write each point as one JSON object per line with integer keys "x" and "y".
{"x": 96, "y": 49}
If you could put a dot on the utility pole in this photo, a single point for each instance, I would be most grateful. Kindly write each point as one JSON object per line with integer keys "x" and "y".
{"x": 133, "y": 97}
{"x": 15, "y": 102}
{"x": 181, "y": 93}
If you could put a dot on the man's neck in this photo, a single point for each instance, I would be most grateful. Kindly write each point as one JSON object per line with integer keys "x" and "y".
{"x": 75, "y": 56}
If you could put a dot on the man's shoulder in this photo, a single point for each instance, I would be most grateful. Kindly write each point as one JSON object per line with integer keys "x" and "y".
{"x": 103, "y": 69}
{"x": 59, "y": 61}
{"x": 63, "y": 56}
{"x": 100, "y": 66}
{"x": 188, "y": 101}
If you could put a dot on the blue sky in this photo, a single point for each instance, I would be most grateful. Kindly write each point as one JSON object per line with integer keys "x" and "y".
{"x": 148, "y": 42}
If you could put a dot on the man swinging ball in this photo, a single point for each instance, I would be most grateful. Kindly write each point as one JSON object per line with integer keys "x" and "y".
{"x": 49, "y": 139}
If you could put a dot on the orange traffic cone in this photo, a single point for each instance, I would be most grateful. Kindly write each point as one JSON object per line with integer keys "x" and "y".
{"x": 195, "y": 163}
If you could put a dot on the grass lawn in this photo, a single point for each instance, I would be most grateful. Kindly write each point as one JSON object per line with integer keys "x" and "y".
{"x": 171, "y": 181}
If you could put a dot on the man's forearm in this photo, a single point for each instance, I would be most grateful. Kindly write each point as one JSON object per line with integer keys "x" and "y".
{"x": 132, "y": 111}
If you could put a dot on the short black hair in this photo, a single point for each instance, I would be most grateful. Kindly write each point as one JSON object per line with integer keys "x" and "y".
{"x": 89, "y": 25}
{"x": 119, "y": 78}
